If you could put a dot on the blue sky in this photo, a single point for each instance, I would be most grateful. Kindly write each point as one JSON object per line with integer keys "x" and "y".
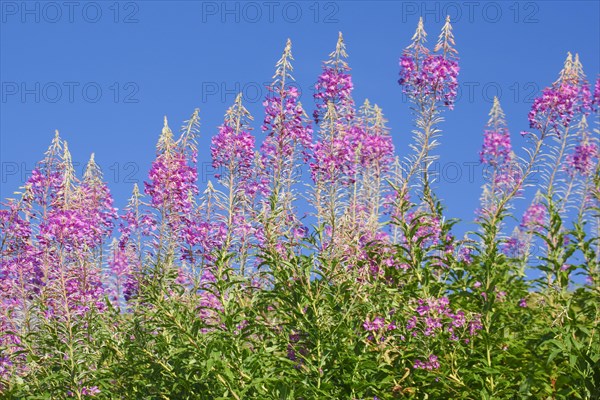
{"x": 105, "y": 73}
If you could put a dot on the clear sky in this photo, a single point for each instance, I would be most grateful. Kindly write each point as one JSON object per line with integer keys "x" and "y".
{"x": 105, "y": 73}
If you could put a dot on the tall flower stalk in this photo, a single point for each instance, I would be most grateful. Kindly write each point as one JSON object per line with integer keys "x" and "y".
{"x": 232, "y": 150}
{"x": 430, "y": 80}
{"x": 286, "y": 145}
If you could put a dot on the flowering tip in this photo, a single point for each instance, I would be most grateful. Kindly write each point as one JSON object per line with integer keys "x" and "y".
{"x": 497, "y": 117}
{"x": 337, "y": 57}
{"x": 66, "y": 152}
{"x": 420, "y": 34}
{"x": 340, "y": 42}
{"x": 92, "y": 170}
{"x": 165, "y": 141}
{"x": 446, "y": 40}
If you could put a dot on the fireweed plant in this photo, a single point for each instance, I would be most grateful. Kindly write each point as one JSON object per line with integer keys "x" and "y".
{"x": 227, "y": 292}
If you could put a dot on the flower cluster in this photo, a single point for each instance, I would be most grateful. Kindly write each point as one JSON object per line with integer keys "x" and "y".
{"x": 123, "y": 268}
{"x": 209, "y": 307}
{"x": 534, "y": 217}
{"x": 431, "y": 363}
{"x": 73, "y": 229}
{"x": 434, "y": 314}
{"x": 333, "y": 90}
{"x": 496, "y": 147}
{"x": 380, "y": 328}
{"x": 172, "y": 181}
{"x": 374, "y": 325}
{"x": 336, "y": 159}
{"x": 335, "y": 86}
{"x": 284, "y": 125}
{"x": 508, "y": 178}
{"x": 514, "y": 247}
{"x": 234, "y": 150}
{"x": 375, "y": 263}
{"x": 202, "y": 238}
{"x": 43, "y": 184}
{"x": 429, "y": 228}
{"x": 558, "y": 105}
{"x": 342, "y": 156}
{"x": 596, "y": 95}
{"x": 372, "y": 149}
{"x": 583, "y": 159}
{"x": 132, "y": 222}
{"x": 434, "y": 77}
{"x": 14, "y": 226}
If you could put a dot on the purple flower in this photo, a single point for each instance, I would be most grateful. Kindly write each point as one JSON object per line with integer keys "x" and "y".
{"x": 507, "y": 177}
{"x": 501, "y": 296}
{"x": 44, "y": 184}
{"x": 596, "y": 97}
{"x": 496, "y": 147}
{"x": 431, "y": 364}
{"x": 288, "y": 141}
{"x": 583, "y": 159}
{"x": 339, "y": 158}
{"x": 429, "y": 229}
{"x": 558, "y": 105}
{"x": 172, "y": 180}
{"x": 209, "y": 305}
{"x": 90, "y": 391}
{"x": 233, "y": 150}
{"x": 475, "y": 325}
{"x": 465, "y": 254}
{"x": 376, "y": 150}
{"x": 523, "y": 303}
{"x": 123, "y": 267}
{"x": 534, "y": 216}
{"x": 333, "y": 85}
{"x": 434, "y": 77}
{"x": 514, "y": 247}
{"x": 202, "y": 237}
{"x": 374, "y": 325}
{"x": 284, "y": 125}
{"x": 458, "y": 319}
{"x": 412, "y": 323}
